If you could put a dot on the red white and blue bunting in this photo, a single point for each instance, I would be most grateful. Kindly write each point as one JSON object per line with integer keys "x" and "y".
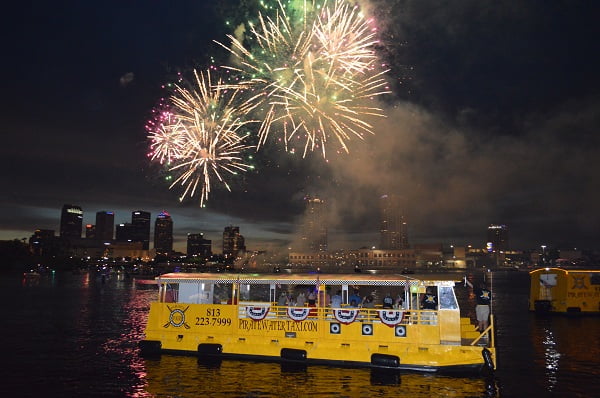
{"x": 345, "y": 316}
{"x": 298, "y": 313}
{"x": 390, "y": 317}
{"x": 257, "y": 313}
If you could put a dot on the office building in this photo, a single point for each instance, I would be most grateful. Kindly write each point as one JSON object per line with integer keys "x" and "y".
{"x": 163, "y": 233}
{"x": 141, "y": 228}
{"x": 44, "y": 242}
{"x": 90, "y": 231}
{"x": 105, "y": 225}
{"x": 198, "y": 246}
{"x": 124, "y": 233}
{"x": 394, "y": 230}
{"x": 233, "y": 242}
{"x": 497, "y": 238}
{"x": 314, "y": 231}
{"x": 71, "y": 221}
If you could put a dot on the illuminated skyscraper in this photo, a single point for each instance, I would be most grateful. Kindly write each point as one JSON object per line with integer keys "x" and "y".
{"x": 233, "y": 242}
{"x": 163, "y": 233}
{"x": 43, "y": 242}
{"x": 198, "y": 246}
{"x": 314, "y": 231}
{"x": 141, "y": 228}
{"x": 394, "y": 230}
{"x": 105, "y": 225}
{"x": 124, "y": 232}
{"x": 71, "y": 221}
{"x": 497, "y": 238}
{"x": 90, "y": 231}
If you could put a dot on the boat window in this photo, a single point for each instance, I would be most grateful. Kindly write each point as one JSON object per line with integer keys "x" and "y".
{"x": 171, "y": 292}
{"x": 256, "y": 293}
{"x": 222, "y": 293}
{"x": 447, "y": 298}
{"x": 548, "y": 280}
{"x": 244, "y": 292}
{"x": 196, "y": 293}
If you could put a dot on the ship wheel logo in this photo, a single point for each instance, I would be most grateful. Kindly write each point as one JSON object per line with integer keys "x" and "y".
{"x": 177, "y": 318}
{"x": 579, "y": 282}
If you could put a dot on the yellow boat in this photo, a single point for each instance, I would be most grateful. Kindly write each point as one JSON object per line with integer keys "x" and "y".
{"x": 558, "y": 290}
{"x": 221, "y": 316}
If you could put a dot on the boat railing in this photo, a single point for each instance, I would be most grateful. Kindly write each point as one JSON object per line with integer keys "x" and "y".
{"x": 368, "y": 315}
{"x": 488, "y": 333}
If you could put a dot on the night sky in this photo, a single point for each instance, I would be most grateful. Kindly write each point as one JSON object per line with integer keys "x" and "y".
{"x": 494, "y": 118}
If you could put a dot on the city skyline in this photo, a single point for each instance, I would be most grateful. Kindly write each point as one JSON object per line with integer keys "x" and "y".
{"x": 493, "y": 119}
{"x": 496, "y": 236}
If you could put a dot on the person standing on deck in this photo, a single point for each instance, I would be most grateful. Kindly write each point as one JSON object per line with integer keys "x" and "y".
{"x": 429, "y": 300}
{"x": 484, "y": 297}
{"x": 399, "y": 302}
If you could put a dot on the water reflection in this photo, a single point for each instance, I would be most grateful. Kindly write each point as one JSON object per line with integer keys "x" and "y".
{"x": 552, "y": 357}
{"x": 78, "y": 337}
{"x": 186, "y": 377}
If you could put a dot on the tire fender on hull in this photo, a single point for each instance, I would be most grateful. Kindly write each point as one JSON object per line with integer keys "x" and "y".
{"x": 383, "y": 360}
{"x": 291, "y": 354}
{"x": 487, "y": 359}
{"x": 150, "y": 348}
{"x": 210, "y": 350}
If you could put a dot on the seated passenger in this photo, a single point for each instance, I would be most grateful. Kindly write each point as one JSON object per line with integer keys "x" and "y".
{"x": 312, "y": 298}
{"x": 368, "y": 302}
{"x": 388, "y": 301}
{"x": 336, "y": 300}
{"x": 356, "y": 297}
{"x": 300, "y": 300}
{"x": 283, "y": 300}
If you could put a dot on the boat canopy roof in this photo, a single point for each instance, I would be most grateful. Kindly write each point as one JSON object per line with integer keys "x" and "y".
{"x": 310, "y": 279}
{"x": 563, "y": 270}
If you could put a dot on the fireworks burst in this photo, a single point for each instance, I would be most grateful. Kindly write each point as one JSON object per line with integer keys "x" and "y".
{"x": 165, "y": 137}
{"x": 202, "y": 138}
{"x": 315, "y": 68}
{"x": 307, "y": 72}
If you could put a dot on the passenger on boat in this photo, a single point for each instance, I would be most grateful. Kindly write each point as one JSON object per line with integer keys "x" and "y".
{"x": 483, "y": 296}
{"x": 300, "y": 300}
{"x": 388, "y": 301}
{"x": 355, "y": 297}
{"x": 312, "y": 298}
{"x": 399, "y": 302}
{"x": 368, "y": 302}
{"x": 283, "y": 299}
{"x": 336, "y": 300}
{"x": 324, "y": 297}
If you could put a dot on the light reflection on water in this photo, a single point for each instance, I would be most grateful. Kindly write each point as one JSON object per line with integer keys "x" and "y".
{"x": 186, "y": 377}
{"x": 552, "y": 357}
{"x": 72, "y": 335}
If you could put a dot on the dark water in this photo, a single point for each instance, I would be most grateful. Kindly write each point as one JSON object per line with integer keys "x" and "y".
{"x": 74, "y": 336}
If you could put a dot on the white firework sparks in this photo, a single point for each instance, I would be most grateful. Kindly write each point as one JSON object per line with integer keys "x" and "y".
{"x": 205, "y": 138}
{"x": 318, "y": 77}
